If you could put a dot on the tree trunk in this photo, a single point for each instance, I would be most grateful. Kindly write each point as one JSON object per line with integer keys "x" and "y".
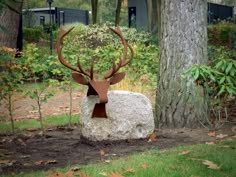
{"x": 10, "y": 20}
{"x": 118, "y": 8}
{"x": 183, "y": 43}
{"x": 152, "y": 16}
{"x": 94, "y": 4}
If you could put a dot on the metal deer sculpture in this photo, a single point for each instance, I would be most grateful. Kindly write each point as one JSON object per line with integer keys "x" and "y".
{"x": 95, "y": 87}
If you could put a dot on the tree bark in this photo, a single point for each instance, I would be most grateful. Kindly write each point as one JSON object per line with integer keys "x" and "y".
{"x": 152, "y": 16}
{"x": 94, "y": 4}
{"x": 118, "y": 9}
{"x": 183, "y": 43}
{"x": 10, "y": 20}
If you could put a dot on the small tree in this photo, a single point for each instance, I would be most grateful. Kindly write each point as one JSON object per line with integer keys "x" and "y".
{"x": 37, "y": 71}
{"x": 11, "y": 78}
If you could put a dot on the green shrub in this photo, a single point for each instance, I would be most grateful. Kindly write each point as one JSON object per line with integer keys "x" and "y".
{"x": 87, "y": 41}
{"x": 97, "y": 41}
{"x": 222, "y": 34}
{"x": 32, "y": 34}
{"x": 218, "y": 77}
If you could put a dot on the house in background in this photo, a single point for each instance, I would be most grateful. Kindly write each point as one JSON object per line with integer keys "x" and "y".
{"x": 41, "y": 17}
{"x": 138, "y": 13}
{"x": 219, "y": 12}
{"x": 59, "y": 16}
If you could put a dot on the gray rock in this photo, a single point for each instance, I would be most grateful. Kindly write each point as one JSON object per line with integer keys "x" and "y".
{"x": 129, "y": 114}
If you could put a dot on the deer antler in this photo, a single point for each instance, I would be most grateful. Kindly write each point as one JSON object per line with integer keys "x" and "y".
{"x": 59, "y": 45}
{"x": 122, "y": 61}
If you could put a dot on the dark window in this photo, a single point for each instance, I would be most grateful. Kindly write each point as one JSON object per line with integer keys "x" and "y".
{"x": 132, "y": 17}
{"x": 42, "y": 20}
{"x": 62, "y": 18}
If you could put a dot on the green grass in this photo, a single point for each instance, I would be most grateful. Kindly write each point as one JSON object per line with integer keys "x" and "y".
{"x": 34, "y": 123}
{"x": 168, "y": 163}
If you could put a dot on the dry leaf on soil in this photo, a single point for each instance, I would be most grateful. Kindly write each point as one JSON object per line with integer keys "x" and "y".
{"x": 185, "y": 152}
{"x": 211, "y": 164}
{"x": 55, "y": 174}
{"x": 107, "y": 161}
{"x": 233, "y": 129}
{"x": 70, "y": 173}
{"x": 51, "y": 162}
{"x": 212, "y": 133}
{"x": 210, "y": 143}
{"x": 220, "y": 136}
{"x": 130, "y": 170}
{"x": 102, "y": 152}
{"x": 83, "y": 175}
{"x": 4, "y": 161}
{"x": 115, "y": 174}
{"x": 103, "y": 173}
{"x": 75, "y": 169}
{"x": 39, "y": 162}
{"x": 21, "y": 142}
{"x": 144, "y": 166}
{"x": 152, "y": 137}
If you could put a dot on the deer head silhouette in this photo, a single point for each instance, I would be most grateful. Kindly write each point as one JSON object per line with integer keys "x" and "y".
{"x": 97, "y": 87}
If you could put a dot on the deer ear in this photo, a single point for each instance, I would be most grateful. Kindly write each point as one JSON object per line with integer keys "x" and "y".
{"x": 117, "y": 77}
{"x": 79, "y": 78}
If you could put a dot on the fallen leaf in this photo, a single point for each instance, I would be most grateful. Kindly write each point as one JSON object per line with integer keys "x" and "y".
{"x": 39, "y": 162}
{"x": 12, "y": 162}
{"x": 211, "y": 165}
{"x": 130, "y": 170}
{"x": 31, "y": 129}
{"x": 55, "y": 174}
{"x": 51, "y": 162}
{"x": 152, "y": 137}
{"x": 211, "y": 133}
{"x": 233, "y": 129}
{"x": 21, "y": 142}
{"x": 144, "y": 166}
{"x": 4, "y": 161}
{"x": 75, "y": 168}
{"x": 115, "y": 174}
{"x": 185, "y": 152}
{"x": 210, "y": 143}
{"x": 102, "y": 152}
{"x": 69, "y": 173}
{"x": 220, "y": 136}
{"x": 83, "y": 175}
{"x": 103, "y": 173}
{"x": 107, "y": 161}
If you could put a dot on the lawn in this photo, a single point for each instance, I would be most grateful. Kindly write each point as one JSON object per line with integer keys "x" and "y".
{"x": 20, "y": 125}
{"x": 215, "y": 160}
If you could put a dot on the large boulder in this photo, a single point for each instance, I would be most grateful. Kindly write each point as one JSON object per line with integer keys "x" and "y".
{"x": 129, "y": 115}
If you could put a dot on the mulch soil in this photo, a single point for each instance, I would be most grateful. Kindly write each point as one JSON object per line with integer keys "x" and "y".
{"x": 62, "y": 146}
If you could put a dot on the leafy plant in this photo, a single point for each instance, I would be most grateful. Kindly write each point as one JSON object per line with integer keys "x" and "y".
{"x": 37, "y": 72}
{"x": 222, "y": 34}
{"x": 97, "y": 41}
{"x": 32, "y": 34}
{"x": 11, "y": 78}
{"x": 217, "y": 78}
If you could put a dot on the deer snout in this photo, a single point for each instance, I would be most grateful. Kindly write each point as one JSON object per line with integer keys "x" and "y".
{"x": 99, "y": 88}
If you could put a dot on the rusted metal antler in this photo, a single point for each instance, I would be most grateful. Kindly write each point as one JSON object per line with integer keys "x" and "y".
{"x": 99, "y": 88}
{"x": 122, "y": 61}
